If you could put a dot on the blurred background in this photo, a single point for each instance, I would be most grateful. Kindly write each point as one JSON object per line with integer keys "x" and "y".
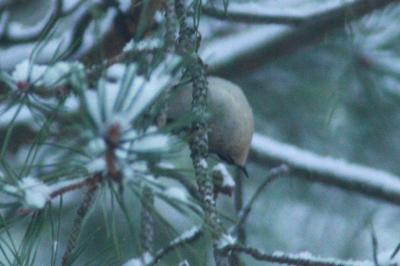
{"x": 337, "y": 95}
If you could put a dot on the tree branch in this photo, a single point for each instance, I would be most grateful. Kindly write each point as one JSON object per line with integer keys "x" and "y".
{"x": 187, "y": 46}
{"x": 48, "y": 25}
{"x": 246, "y": 17}
{"x": 302, "y": 259}
{"x": 184, "y": 239}
{"x": 314, "y": 29}
{"x": 147, "y": 231}
{"x": 76, "y": 228}
{"x": 303, "y": 164}
{"x": 273, "y": 174}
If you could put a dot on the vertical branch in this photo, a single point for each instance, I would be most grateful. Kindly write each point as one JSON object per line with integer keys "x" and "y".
{"x": 238, "y": 202}
{"x": 170, "y": 18}
{"x": 147, "y": 221}
{"x": 76, "y": 228}
{"x": 170, "y": 32}
{"x": 199, "y": 139}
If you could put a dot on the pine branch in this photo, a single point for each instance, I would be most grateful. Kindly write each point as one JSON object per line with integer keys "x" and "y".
{"x": 91, "y": 181}
{"x": 186, "y": 238}
{"x": 88, "y": 182}
{"x": 187, "y": 46}
{"x": 304, "y": 164}
{"x": 147, "y": 232}
{"x": 76, "y": 228}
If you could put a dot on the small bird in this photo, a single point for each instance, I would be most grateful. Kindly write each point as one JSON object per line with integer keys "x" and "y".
{"x": 230, "y": 122}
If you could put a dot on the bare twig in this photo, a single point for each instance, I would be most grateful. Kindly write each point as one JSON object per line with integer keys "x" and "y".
{"x": 303, "y": 164}
{"x": 246, "y": 17}
{"x": 304, "y": 259}
{"x": 395, "y": 251}
{"x": 238, "y": 203}
{"x": 272, "y": 175}
{"x": 374, "y": 247}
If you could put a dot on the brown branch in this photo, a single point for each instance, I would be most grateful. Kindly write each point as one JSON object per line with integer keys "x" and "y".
{"x": 87, "y": 182}
{"x": 76, "y": 228}
{"x": 314, "y": 29}
{"x": 90, "y": 181}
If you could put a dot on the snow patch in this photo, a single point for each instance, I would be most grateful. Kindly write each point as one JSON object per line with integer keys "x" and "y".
{"x": 145, "y": 259}
{"x": 42, "y": 75}
{"x": 203, "y": 163}
{"x": 225, "y": 240}
{"x": 165, "y": 165}
{"x": 227, "y": 179}
{"x": 146, "y": 44}
{"x": 176, "y": 193}
{"x": 36, "y": 193}
{"x": 124, "y": 5}
{"x": 186, "y": 235}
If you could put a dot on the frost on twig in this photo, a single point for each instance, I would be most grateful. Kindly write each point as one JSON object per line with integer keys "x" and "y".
{"x": 301, "y": 259}
{"x": 185, "y": 238}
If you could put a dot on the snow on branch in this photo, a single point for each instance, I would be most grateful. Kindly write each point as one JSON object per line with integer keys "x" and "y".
{"x": 185, "y": 238}
{"x": 18, "y": 33}
{"x": 334, "y": 172}
{"x": 269, "y": 46}
{"x": 301, "y": 259}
